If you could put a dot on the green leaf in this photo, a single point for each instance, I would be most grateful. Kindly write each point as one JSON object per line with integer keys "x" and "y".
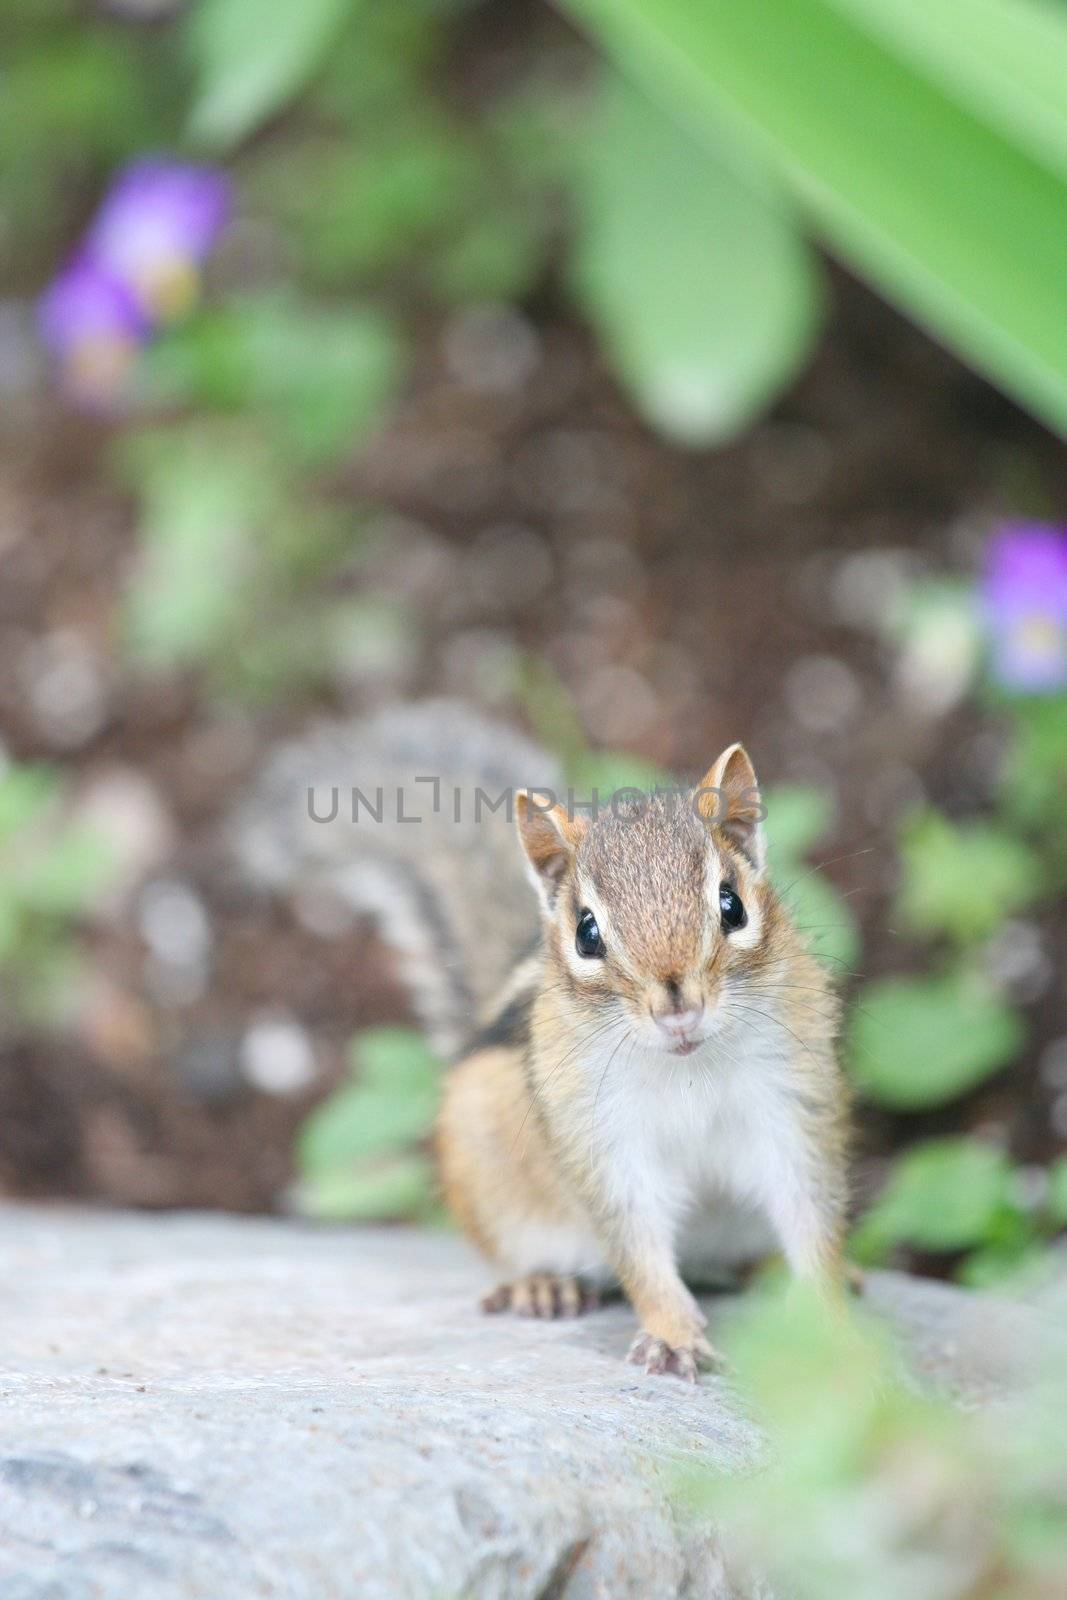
{"x": 1006, "y": 59}
{"x": 203, "y": 506}
{"x": 820, "y": 915}
{"x": 945, "y": 1194}
{"x": 797, "y": 818}
{"x": 918, "y": 1042}
{"x": 67, "y": 875}
{"x": 396, "y": 1058}
{"x": 325, "y": 373}
{"x": 250, "y": 57}
{"x": 962, "y": 881}
{"x": 25, "y": 793}
{"x": 704, "y": 295}
{"x": 1057, "y": 1192}
{"x": 388, "y": 1190}
{"x": 389, "y": 1105}
{"x": 913, "y": 180}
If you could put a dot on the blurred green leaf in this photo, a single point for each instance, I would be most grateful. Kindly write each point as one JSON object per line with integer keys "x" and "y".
{"x": 943, "y": 1195}
{"x": 702, "y": 291}
{"x": 384, "y": 1190}
{"x": 917, "y": 183}
{"x": 962, "y": 881}
{"x": 1007, "y": 59}
{"x": 820, "y": 914}
{"x": 389, "y": 1104}
{"x": 25, "y": 792}
{"x": 360, "y": 210}
{"x": 913, "y": 1043}
{"x": 250, "y": 57}
{"x": 797, "y": 818}
{"x": 203, "y": 507}
{"x": 65, "y": 877}
{"x": 497, "y": 255}
{"x": 1057, "y": 1193}
{"x": 325, "y": 373}
{"x": 71, "y": 107}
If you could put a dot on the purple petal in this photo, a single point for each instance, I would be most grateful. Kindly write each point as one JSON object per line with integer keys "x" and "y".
{"x": 1025, "y": 604}
{"x": 156, "y": 226}
{"x": 85, "y": 303}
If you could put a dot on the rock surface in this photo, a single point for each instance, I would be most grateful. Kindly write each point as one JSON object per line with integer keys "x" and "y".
{"x": 201, "y": 1406}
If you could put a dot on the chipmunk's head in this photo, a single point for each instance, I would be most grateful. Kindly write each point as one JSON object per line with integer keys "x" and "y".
{"x": 652, "y": 906}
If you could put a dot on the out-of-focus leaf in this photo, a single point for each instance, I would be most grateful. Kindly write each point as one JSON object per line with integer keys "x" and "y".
{"x": 821, "y": 916}
{"x": 1057, "y": 1192}
{"x": 25, "y": 792}
{"x": 203, "y": 507}
{"x": 72, "y": 105}
{"x": 498, "y": 255}
{"x": 63, "y": 878}
{"x": 919, "y": 1042}
{"x": 1007, "y": 59}
{"x": 918, "y": 184}
{"x": 390, "y": 1103}
{"x": 608, "y": 773}
{"x": 797, "y": 818}
{"x": 963, "y": 881}
{"x": 359, "y": 211}
{"x": 325, "y": 373}
{"x": 943, "y": 1195}
{"x": 251, "y": 56}
{"x": 384, "y": 1190}
{"x": 690, "y": 269}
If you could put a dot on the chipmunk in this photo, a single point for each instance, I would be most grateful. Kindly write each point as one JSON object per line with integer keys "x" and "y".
{"x": 648, "y": 1080}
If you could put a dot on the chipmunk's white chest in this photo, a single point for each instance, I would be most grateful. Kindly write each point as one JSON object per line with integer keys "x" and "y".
{"x": 699, "y": 1140}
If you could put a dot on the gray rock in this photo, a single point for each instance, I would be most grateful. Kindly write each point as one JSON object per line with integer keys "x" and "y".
{"x": 199, "y": 1406}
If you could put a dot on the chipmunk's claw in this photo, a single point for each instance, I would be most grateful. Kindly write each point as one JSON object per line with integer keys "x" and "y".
{"x": 542, "y": 1294}
{"x": 683, "y": 1361}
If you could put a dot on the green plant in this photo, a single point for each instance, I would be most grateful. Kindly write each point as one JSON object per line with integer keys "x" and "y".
{"x": 362, "y": 1153}
{"x": 51, "y": 873}
{"x": 925, "y": 144}
{"x": 872, "y": 1487}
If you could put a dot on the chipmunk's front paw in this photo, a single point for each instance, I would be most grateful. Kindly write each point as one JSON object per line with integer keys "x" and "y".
{"x": 684, "y": 1361}
{"x": 542, "y": 1294}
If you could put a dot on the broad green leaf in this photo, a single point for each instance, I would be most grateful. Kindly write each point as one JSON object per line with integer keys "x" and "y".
{"x": 962, "y": 881}
{"x": 26, "y": 792}
{"x": 947, "y": 211}
{"x": 326, "y": 374}
{"x": 203, "y": 506}
{"x": 388, "y": 1106}
{"x": 396, "y": 1058}
{"x": 919, "y": 1042}
{"x": 250, "y": 57}
{"x": 387, "y": 1190}
{"x": 1057, "y": 1192}
{"x": 1006, "y": 59}
{"x": 63, "y": 878}
{"x": 690, "y": 269}
{"x": 797, "y": 818}
{"x": 945, "y": 1194}
{"x": 822, "y": 918}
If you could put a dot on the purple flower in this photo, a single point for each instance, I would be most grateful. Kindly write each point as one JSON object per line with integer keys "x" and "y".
{"x": 1025, "y": 599}
{"x": 93, "y": 326}
{"x": 155, "y": 228}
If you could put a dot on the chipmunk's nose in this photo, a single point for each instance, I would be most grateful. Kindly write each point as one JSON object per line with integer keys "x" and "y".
{"x": 677, "y": 1013}
{"x": 680, "y": 1024}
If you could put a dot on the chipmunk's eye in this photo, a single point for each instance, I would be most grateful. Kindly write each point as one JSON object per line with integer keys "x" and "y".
{"x": 587, "y": 940}
{"x": 730, "y": 908}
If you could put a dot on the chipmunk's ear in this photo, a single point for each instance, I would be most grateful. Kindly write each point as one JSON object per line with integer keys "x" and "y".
{"x": 729, "y": 801}
{"x": 549, "y": 837}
